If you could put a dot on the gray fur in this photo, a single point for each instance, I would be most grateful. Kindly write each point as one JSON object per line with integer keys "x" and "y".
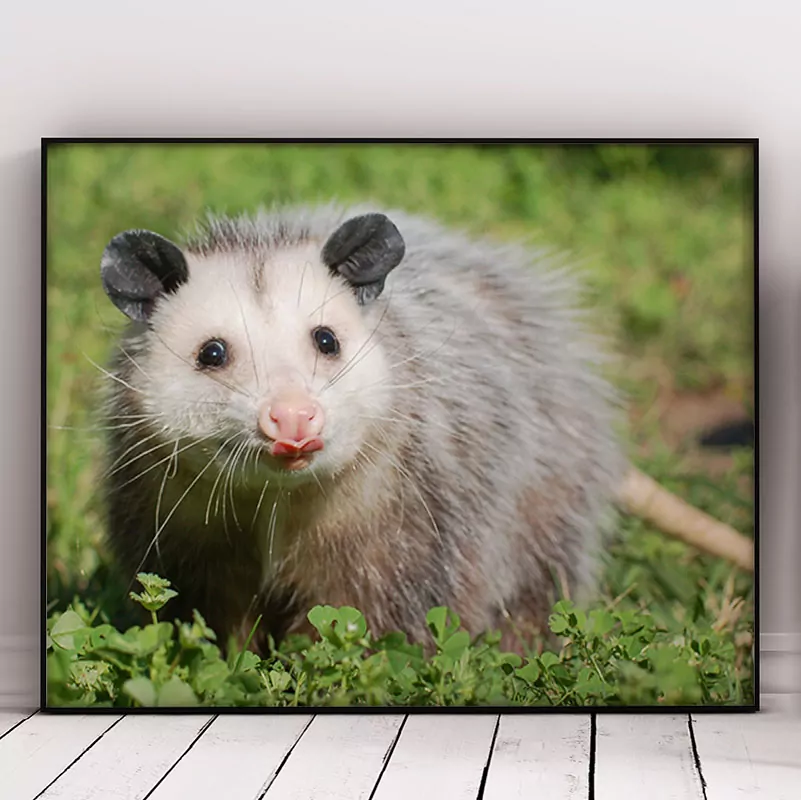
{"x": 496, "y": 472}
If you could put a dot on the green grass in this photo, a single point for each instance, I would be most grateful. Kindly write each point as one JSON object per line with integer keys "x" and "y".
{"x": 663, "y": 235}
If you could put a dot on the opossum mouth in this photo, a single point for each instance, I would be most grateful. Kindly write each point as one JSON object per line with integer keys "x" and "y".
{"x": 290, "y": 449}
{"x": 292, "y": 456}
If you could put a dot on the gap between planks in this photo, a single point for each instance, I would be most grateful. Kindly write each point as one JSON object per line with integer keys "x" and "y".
{"x": 236, "y": 758}
{"x": 442, "y": 755}
{"x": 337, "y": 757}
{"x": 645, "y": 755}
{"x": 11, "y": 719}
{"x": 542, "y": 755}
{"x": 130, "y": 758}
{"x": 749, "y": 755}
{"x": 42, "y": 747}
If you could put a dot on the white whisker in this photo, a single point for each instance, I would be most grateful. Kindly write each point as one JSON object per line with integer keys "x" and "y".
{"x": 403, "y": 472}
{"x": 177, "y": 504}
{"x": 112, "y": 375}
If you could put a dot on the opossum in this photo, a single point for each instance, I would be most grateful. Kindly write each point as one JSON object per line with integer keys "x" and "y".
{"x": 350, "y": 405}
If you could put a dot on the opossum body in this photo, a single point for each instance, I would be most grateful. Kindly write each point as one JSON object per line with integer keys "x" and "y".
{"x": 352, "y": 407}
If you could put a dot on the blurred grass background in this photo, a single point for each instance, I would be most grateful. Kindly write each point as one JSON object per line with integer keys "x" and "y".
{"x": 664, "y": 234}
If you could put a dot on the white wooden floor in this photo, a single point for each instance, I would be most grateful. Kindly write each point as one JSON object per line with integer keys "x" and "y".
{"x": 389, "y": 757}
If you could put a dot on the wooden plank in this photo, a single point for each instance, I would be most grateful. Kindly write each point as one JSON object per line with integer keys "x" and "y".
{"x": 750, "y": 756}
{"x": 130, "y": 759}
{"x": 41, "y": 748}
{"x": 10, "y": 719}
{"x": 337, "y": 757}
{"x": 438, "y": 756}
{"x": 645, "y": 755}
{"x": 236, "y": 758}
{"x": 540, "y": 756}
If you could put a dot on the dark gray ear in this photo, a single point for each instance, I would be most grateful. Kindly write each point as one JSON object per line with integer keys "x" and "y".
{"x": 139, "y": 266}
{"x": 364, "y": 250}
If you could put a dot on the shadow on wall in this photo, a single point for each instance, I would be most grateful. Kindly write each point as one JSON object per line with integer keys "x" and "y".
{"x": 779, "y": 508}
{"x": 20, "y": 424}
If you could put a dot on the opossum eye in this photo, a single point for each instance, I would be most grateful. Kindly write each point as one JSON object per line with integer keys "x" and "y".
{"x": 327, "y": 343}
{"x": 214, "y": 353}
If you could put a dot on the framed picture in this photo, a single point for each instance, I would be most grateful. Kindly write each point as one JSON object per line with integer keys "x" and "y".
{"x": 363, "y": 425}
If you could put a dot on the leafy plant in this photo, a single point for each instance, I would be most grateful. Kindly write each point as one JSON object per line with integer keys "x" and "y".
{"x": 607, "y": 657}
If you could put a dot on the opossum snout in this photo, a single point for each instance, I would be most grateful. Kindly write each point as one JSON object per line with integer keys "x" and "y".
{"x": 294, "y": 422}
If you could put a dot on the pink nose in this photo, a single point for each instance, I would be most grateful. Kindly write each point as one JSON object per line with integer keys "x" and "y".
{"x": 294, "y": 422}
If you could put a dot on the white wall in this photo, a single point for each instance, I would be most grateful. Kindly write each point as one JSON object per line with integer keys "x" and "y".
{"x": 454, "y": 68}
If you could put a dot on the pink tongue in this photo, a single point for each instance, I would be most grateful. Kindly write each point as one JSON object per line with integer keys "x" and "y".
{"x": 284, "y": 447}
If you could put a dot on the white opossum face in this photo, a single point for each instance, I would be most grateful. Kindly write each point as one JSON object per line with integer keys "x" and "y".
{"x": 272, "y": 359}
